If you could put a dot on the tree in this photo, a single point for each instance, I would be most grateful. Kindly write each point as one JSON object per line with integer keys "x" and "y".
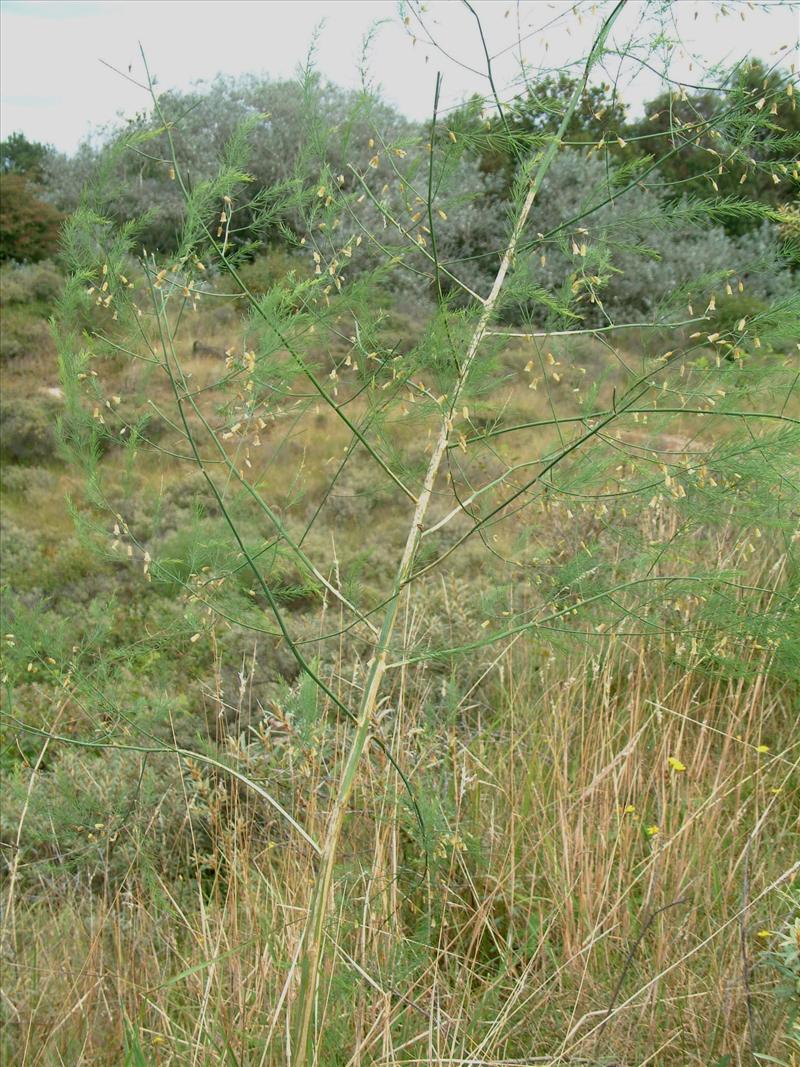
{"x": 499, "y": 139}
{"x": 736, "y": 142}
{"x": 139, "y": 180}
{"x": 21, "y": 156}
{"x": 29, "y": 226}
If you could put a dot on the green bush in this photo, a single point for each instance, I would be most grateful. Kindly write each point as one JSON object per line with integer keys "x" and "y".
{"x": 732, "y": 309}
{"x": 28, "y": 430}
{"x": 68, "y": 571}
{"x": 28, "y": 292}
{"x": 64, "y": 569}
{"x": 29, "y": 227}
{"x": 355, "y": 498}
{"x": 20, "y": 547}
{"x": 267, "y": 270}
{"x": 25, "y": 331}
{"x": 91, "y": 819}
{"x": 27, "y": 480}
{"x": 24, "y": 283}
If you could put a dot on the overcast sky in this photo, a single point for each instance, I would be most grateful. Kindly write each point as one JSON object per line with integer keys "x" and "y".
{"x": 55, "y": 87}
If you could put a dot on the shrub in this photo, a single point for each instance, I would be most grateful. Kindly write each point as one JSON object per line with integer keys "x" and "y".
{"x": 646, "y": 252}
{"x": 287, "y": 134}
{"x": 28, "y": 292}
{"x": 25, "y": 333}
{"x": 268, "y": 269}
{"x": 20, "y": 549}
{"x": 26, "y": 480}
{"x": 22, "y": 283}
{"x": 29, "y": 227}
{"x": 93, "y": 819}
{"x": 354, "y": 497}
{"x": 28, "y": 430}
{"x": 732, "y": 309}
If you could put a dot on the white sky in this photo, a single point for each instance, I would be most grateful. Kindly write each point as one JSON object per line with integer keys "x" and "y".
{"x": 55, "y": 87}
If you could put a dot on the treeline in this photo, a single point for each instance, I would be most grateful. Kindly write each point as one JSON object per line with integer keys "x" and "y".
{"x": 713, "y": 146}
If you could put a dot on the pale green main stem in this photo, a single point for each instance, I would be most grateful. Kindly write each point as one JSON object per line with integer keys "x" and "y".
{"x": 303, "y": 1053}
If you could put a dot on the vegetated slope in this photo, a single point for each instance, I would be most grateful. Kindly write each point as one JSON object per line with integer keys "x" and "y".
{"x": 598, "y": 807}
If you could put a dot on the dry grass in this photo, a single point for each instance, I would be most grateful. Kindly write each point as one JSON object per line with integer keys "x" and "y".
{"x": 583, "y": 901}
{"x": 551, "y": 922}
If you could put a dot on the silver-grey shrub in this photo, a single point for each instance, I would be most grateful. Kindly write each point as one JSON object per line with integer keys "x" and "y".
{"x": 642, "y": 261}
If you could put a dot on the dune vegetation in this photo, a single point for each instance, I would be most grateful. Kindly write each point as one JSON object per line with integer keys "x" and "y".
{"x": 401, "y": 636}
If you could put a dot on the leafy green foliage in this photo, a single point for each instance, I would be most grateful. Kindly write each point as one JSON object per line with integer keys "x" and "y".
{"x": 536, "y": 114}
{"x": 757, "y": 132}
{"x": 18, "y": 155}
{"x": 29, "y": 226}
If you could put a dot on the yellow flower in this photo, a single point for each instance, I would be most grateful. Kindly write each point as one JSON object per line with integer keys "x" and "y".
{"x": 676, "y": 764}
{"x": 764, "y": 934}
{"x": 653, "y": 830}
{"x": 630, "y": 809}
{"x": 762, "y": 748}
